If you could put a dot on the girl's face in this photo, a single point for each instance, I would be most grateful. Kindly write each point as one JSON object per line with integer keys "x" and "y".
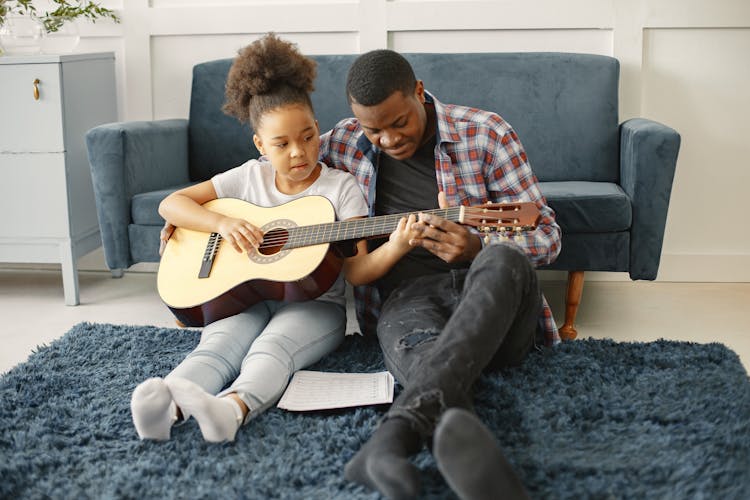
{"x": 289, "y": 138}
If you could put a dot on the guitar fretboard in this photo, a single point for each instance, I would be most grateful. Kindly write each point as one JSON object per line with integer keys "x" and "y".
{"x": 357, "y": 228}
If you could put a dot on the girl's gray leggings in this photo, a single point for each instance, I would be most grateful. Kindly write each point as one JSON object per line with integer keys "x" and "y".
{"x": 258, "y": 350}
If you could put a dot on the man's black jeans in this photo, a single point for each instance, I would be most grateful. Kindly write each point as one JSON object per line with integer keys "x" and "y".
{"x": 439, "y": 332}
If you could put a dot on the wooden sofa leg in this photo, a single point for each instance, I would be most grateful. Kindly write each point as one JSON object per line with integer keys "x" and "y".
{"x": 572, "y": 300}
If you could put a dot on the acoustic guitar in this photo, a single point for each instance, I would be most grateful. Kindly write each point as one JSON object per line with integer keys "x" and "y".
{"x": 202, "y": 281}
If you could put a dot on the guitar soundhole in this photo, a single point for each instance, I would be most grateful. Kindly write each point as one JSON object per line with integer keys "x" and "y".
{"x": 273, "y": 241}
{"x": 275, "y": 236}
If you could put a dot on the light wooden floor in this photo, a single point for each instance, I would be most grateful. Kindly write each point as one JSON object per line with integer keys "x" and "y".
{"x": 33, "y": 311}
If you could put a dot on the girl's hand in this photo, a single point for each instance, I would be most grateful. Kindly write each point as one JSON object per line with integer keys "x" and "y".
{"x": 240, "y": 234}
{"x": 401, "y": 237}
{"x": 164, "y": 235}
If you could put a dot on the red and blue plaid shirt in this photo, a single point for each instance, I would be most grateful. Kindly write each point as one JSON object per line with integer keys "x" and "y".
{"x": 478, "y": 158}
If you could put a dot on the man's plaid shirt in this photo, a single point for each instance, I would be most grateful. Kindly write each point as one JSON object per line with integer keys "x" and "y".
{"x": 478, "y": 158}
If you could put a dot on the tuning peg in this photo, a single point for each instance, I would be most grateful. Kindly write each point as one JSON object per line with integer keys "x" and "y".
{"x": 486, "y": 230}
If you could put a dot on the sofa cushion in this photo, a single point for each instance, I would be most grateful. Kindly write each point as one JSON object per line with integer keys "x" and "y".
{"x": 588, "y": 207}
{"x": 581, "y": 207}
{"x": 144, "y": 207}
{"x": 144, "y": 242}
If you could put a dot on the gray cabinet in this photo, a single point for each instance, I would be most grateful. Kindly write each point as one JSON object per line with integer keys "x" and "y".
{"x": 47, "y": 209}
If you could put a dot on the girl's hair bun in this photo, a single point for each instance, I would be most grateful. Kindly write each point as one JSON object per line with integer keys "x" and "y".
{"x": 268, "y": 67}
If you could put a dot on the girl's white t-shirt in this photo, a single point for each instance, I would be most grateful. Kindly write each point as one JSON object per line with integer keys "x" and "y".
{"x": 255, "y": 181}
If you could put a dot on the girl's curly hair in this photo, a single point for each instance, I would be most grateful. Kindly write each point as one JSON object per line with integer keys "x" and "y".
{"x": 267, "y": 74}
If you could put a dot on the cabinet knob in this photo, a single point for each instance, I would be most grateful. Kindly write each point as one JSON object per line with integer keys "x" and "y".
{"x": 36, "y": 89}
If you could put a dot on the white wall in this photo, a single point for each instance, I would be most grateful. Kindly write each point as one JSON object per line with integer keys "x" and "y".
{"x": 683, "y": 62}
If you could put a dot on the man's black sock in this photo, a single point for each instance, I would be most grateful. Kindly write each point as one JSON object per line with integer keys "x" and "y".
{"x": 383, "y": 462}
{"x": 471, "y": 461}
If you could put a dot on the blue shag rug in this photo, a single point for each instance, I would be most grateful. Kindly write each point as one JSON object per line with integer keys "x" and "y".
{"x": 587, "y": 419}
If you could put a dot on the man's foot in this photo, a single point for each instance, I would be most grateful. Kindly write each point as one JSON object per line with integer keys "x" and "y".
{"x": 218, "y": 418}
{"x": 383, "y": 464}
{"x": 471, "y": 461}
{"x": 154, "y": 412}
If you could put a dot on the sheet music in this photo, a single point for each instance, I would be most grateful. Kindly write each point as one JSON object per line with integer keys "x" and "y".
{"x": 311, "y": 390}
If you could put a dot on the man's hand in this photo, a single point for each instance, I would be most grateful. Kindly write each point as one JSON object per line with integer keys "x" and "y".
{"x": 164, "y": 235}
{"x": 450, "y": 241}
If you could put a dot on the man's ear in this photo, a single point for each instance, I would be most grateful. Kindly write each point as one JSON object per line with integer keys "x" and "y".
{"x": 419, "y": 91}
{"x": 258, "y": 144}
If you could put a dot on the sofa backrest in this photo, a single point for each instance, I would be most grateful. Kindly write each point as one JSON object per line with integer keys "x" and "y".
{"x": 216, "y": 141}
{"x": 563, "y": 107}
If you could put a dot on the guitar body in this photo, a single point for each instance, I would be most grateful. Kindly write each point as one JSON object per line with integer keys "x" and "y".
{"x": 239, "y": 280}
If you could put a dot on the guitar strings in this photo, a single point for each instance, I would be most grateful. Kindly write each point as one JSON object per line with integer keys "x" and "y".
{"x": 304, "y": 235}
{"x": 324, "y": 233}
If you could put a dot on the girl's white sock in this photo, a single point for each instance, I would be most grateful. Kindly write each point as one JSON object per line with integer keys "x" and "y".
{"x": 218, "y": 418}
{"x": 154, "y": 412}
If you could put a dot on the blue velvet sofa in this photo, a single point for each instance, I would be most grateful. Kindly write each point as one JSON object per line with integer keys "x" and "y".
{"x": 609, "y": 182}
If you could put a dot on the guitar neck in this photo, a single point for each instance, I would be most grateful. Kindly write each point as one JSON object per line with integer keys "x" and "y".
{"x": 356, "y": 229}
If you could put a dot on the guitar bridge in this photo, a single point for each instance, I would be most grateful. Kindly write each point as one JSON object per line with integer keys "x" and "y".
{"x": 209, "y": 254}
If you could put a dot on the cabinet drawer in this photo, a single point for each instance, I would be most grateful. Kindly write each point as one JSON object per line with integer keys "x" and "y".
{"x": 33, "y": 196}
{"x": 28, "y": 124}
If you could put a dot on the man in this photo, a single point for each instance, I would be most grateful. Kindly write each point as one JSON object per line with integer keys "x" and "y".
{"x": 456, "y": 304}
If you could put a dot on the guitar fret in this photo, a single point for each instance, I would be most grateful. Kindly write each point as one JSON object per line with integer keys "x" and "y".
{"x": 314, "y": 236}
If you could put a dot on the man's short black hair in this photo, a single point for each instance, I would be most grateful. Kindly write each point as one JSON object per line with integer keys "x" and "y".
{"x": 376, "y": 75}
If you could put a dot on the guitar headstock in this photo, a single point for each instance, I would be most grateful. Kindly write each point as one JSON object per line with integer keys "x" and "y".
{"x": 513, "y": 217}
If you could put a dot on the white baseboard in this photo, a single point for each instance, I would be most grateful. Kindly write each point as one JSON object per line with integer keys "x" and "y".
{"x": 590, "y": 276}
{"x": 93, "y": 261}
{"x": 708, "y": 268}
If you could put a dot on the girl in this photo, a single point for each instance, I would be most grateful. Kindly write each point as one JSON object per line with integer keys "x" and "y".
{"x": 259, "y": 349}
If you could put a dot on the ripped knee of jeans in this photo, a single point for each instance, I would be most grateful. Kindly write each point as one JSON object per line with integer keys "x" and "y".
{"x": 418, "y": 337}
{"x": 432, "y": 399}
{"x": 423, "y": 412}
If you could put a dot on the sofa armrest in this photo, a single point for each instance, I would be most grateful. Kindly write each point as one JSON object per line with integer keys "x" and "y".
{"x": 129, "y": 158}
{"x": 648, "y": 157}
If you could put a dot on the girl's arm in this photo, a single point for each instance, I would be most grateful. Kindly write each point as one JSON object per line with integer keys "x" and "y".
{"x": 183, "y": 208}
{"x": 366, "y": 267}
